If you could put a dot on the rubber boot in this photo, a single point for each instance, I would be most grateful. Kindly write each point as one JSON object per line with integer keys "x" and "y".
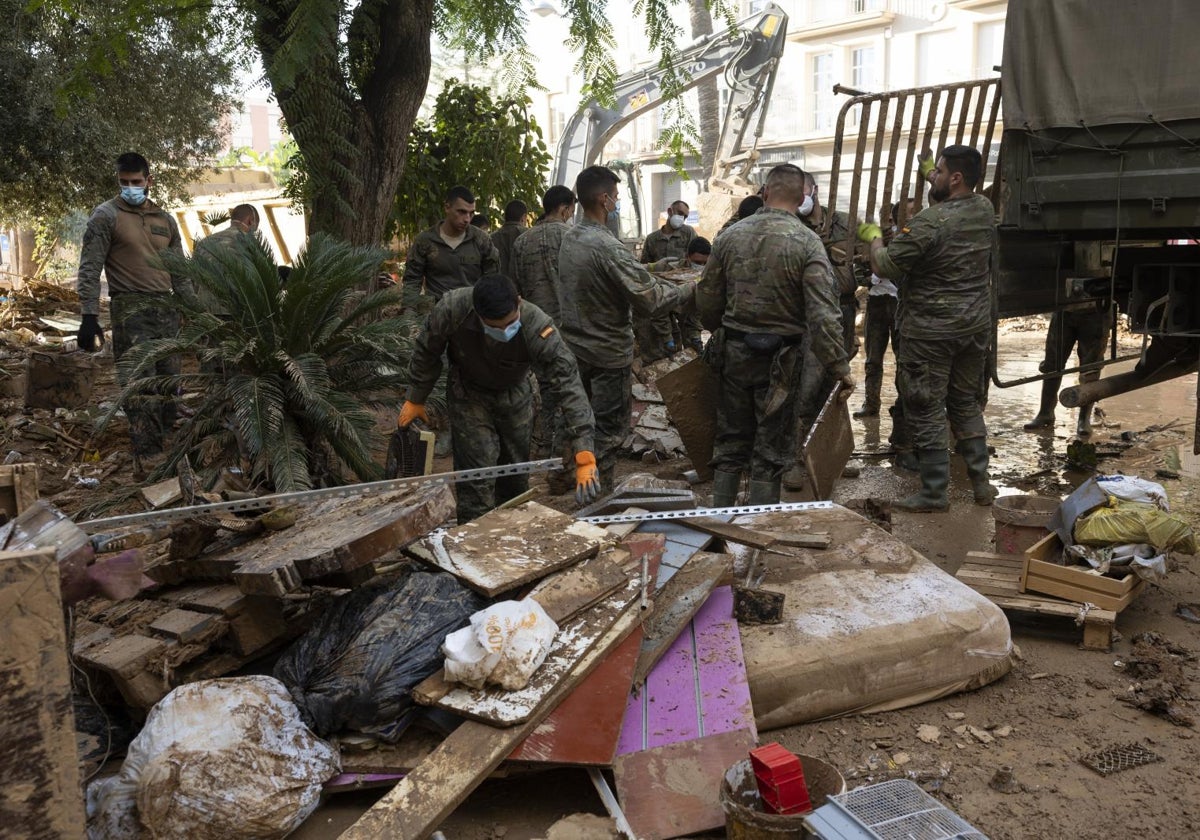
{"x": 725, "y": 488}
{"x": 1084, "y": 427}
{"x": 975, "y": 453}
{"x": 764, "y": 492}
{"x": 796, "y": 478}
{"x": 1045, "y": 415}
{"x": 907, "y": 460}
{"x": 935, "y": 478}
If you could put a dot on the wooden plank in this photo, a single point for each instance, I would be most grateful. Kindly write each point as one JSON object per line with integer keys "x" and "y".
{"x": 690, "y": 392}
{"x": 730, "y": 532}
{"x": 183, "y": 625}
{"x": 674, "y": 790}
{"x": 1074, "y": 592}
{"x": 1050, "y": 606}
{"x": 829, "y": 445}
{"x": 427, "y": 795}
{"x": 584, "y": 729}
{"x": 564, "y": 594}
{"x": 574, "y": 640}
{"x": 504, "y": 549}
{"x": 332, "y": 536}
{"x": 124, "y": 656}
{"x": 675, "y": 604}
{"x": 165, "y": 492}
{"x": 259, "y": 623}
{"x": 1082, "y": 577}
{"x": 39, "y": 766}
{"x": 225, "y": 599}
{"x": 985, "y": 557}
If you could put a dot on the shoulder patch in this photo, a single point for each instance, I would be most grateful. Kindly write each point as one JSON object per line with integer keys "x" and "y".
{"x": 906, "y": 229}
{"x": 546, "y": 333}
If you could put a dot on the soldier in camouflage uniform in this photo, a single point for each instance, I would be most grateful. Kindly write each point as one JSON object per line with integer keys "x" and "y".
{"x": 124, "y": 237}
{"x": 535, "y": 271}
{"x": 601, "y": 285}
{"x": 768, "y": 284}
{"x": 698, "y": 252}
{"x": 243, "y": 221}
{"x": 451, "y": 254}
{"x": 493, "y": 340}
{"x": 941, "y": 262}
{"x": 515, "y": 224}
{"x": 813, "y": 214}
{"x": 664, "y": 334}
{"x": 747, "y": 208}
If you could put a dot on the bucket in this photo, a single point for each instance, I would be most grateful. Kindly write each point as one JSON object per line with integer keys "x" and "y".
{"x": 1021, "y": 521}
{"x": 58, "y": 380}
{"x": 745, "y": 818}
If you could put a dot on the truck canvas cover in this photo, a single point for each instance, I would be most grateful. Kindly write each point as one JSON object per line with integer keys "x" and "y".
{"x": 1059, "y": 58}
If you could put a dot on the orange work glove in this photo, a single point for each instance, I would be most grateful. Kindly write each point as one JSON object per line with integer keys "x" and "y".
{"x": 409, "y": 412}
{"x": 587, "y": 477}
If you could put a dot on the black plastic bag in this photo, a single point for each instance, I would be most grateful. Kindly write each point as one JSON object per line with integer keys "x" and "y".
{"x": 356, "y": 665}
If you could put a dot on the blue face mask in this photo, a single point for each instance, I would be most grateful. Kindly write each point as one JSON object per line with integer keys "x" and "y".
{"x": 133, "y": 195}
{"x": 506, "y": 334}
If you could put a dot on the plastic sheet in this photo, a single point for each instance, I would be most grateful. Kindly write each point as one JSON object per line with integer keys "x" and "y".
{"x": 503, "y": 646}
{"x": 356, "y": 665}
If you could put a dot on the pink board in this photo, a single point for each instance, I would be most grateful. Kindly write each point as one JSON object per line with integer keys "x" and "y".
{"x": 698, "y": 688}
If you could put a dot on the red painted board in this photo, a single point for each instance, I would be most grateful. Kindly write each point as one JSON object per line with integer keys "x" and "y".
{"x": 583, "y": 730}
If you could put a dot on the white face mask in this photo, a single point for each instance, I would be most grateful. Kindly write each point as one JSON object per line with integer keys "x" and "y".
{"x": 676, "y": 221}
{"x": 806, "y": 208}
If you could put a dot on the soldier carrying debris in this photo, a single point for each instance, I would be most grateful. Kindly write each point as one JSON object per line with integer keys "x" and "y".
{"x": 493, "y": 340}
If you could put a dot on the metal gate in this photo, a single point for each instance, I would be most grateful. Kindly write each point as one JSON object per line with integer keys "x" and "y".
{"x": 880, "y": 136}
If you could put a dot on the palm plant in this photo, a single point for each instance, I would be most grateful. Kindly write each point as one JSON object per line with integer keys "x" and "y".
{"x": 288, "y": 375}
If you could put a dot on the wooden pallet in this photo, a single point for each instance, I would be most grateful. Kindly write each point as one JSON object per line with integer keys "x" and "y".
{"x": 998, "y": 578}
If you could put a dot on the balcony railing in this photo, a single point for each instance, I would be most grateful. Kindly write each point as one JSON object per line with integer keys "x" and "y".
{"x": 832, "y": 11}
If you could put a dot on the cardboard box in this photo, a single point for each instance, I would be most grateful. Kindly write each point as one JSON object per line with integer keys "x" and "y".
{"x": 1041, "y": 573}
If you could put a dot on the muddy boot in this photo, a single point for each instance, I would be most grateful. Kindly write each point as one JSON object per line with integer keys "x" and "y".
{"x": 975, "y": 453}
{"x": 907, "y": 460}
{"x": 935, "y": 478}
{"x": 764, "y": 492}
{"x": 869, "y": 409}
{"x": 725, "y": 488}
{"x": 1083, "y": 428}
{"x": 1045, "y": 415}
{"x": 796, "y": 478}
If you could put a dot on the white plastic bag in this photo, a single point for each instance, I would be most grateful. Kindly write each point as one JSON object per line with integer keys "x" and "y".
{"x": 216, "y": 759}
{"x": 1134, "y": 489}
{"x": 504, "y": 644}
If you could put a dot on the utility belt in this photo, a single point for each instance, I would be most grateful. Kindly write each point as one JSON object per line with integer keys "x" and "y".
{"x": 763, "y": 344}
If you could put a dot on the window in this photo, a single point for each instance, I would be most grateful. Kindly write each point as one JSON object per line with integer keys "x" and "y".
{"x": 822, "y": 91}
{"x": 989, "y": 47}
{"x": 863, "y": 69}
{"x": 936, "y": 53}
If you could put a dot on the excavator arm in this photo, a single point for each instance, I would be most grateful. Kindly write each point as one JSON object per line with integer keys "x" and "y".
{"x": 749, "y": 56}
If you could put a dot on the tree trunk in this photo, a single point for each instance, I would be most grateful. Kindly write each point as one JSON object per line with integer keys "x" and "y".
{"x": 25, "y": 243}
{"x": 352, "y": 132}
{"x": 708, "y": 94}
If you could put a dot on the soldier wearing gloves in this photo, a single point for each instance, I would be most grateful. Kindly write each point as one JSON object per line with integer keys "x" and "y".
{"x": 941, "y": 262}
{"x": 493, "y": 340}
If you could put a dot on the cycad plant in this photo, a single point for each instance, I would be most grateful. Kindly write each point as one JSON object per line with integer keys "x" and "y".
{"x": 288, "y": 373}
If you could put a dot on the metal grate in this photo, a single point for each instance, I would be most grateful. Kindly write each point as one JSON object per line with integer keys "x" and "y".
{"x": 900, "y": 810}
{"x": 1121, "y": 757}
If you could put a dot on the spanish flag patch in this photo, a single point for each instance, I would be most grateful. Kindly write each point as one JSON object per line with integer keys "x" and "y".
{"x": 546, "y": 333}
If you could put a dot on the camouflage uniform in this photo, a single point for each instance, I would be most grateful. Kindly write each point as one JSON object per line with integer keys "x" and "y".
{"x": 535, "y": 271}
{"x": 599, "y": 283}
{"x": 490, "y": 395}
{"x": 941, "y": 261}
{"x": 655, "y": 332}
{"x": 767, "y": 277}
{"x": 125, "y": 241}
{"x": 843, "y": 272}
{"x": 1083, "y": 327}
{"x": 503, "y": 239}
{"x": 211, "y": 245}
{"x": 439, "y": 268}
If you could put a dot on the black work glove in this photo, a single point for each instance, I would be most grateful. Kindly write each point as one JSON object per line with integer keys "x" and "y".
{"x": 90, "y": 333}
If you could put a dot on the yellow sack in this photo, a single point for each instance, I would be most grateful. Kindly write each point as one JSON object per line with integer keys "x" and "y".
{"x": 1121, "y": 523}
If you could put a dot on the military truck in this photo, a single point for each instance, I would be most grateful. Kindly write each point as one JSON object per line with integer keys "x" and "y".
{"x": 1095, "y": 180}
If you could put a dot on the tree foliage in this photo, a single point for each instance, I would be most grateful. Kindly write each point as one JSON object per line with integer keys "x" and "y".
{"x": 288, "y": 379}
{"x": 83, "y": 83}
{"x": 492, "y": 146}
